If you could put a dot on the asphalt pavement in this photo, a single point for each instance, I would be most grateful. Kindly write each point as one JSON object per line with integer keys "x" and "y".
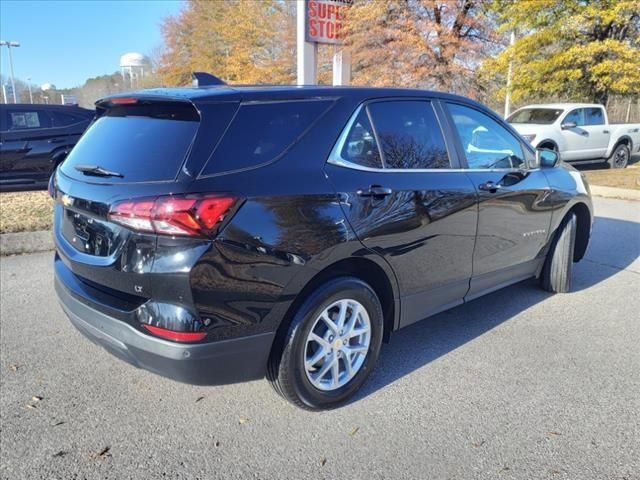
{"x": 519, "y": 384}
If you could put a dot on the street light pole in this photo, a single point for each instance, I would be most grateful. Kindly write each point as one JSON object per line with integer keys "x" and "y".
{"x": 30, "y": 94}
{"x": 13, "y": 84}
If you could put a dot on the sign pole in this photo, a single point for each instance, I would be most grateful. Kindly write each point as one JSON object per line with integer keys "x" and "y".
{"x": 341, "y": 68}
{"x": 307, "y": 52}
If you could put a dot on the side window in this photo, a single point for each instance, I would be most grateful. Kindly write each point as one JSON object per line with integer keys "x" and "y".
{"x": 409, "y": 135}
{"x": 25, "y": 120}
{"x": 62, "y": 119}
{"x": 260, "y": 132}
{"x": 486, "y": 143}
{"x": 360, "y": 146}
{"x": 594, "y": 116}
{"x": 576, "y": 115}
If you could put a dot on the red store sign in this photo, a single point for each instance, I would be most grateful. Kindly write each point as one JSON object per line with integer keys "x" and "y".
{"x": 324, "y": 20}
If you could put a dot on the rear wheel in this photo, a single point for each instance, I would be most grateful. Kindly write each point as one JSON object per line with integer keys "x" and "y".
{"x": 331, "y": 346}
{"x": 558, "y": 267}
{"x": 620, "y": 157}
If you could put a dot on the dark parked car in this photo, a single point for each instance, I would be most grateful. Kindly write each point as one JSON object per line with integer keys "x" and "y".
{"x": 35, "y": 139}
{"x": 214, "y": 235}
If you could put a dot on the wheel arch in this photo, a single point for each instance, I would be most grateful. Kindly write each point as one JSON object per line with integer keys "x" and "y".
{"x": 58, "y": 156}
{"x": 363, "y": 268}
{"x": 548, "y": 141}
{"x": 623, "y": 140}
{"x": 583, "y": 228}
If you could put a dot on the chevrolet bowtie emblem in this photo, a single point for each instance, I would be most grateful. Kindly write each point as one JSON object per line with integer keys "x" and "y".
{"x": 67, "y": 201}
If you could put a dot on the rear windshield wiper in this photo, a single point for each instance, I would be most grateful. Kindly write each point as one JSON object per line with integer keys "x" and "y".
{"x": 97, "y": 170}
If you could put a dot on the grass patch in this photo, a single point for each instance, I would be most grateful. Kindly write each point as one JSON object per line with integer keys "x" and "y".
{"x": 25, "y": 211}
{"x": 619, "y": 178}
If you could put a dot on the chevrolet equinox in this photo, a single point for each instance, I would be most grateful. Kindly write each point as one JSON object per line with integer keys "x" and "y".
{"x": 219, "y": 234}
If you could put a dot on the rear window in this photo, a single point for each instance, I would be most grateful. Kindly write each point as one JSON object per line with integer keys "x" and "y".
{"x": 146, "y": 143}
{"x": 261, "y": 132}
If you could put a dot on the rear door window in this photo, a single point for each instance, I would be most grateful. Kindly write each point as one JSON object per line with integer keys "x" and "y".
{"x": 144, "y": 143}
{"x": 409, "y": 135}
{"x": 262, "y": 132}
{"x": 360, "y": 146}
{"x": 594, "y": 116}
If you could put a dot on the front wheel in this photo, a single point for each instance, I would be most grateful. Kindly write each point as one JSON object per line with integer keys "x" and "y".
{"x": 620, "y": 157}
{"x": 331, "y": 346}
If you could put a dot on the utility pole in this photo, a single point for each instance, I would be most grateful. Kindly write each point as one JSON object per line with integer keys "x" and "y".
{"x": 507, "y": 98}
{"x": 13, "y": 84}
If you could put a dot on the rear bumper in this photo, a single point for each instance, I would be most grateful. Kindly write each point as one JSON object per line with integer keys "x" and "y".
{"x": 216, "y": 363}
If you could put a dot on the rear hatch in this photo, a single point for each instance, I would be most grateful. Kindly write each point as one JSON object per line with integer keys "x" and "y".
{"x": 126, "y": 181}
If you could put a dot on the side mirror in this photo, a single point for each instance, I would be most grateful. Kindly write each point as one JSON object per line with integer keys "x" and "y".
{"x": 547, "y": 158}
{"x": 568, "y": 125}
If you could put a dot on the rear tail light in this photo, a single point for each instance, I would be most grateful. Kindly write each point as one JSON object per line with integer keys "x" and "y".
{"x": 190, "y": 215}
{"x": 174, "y": 335}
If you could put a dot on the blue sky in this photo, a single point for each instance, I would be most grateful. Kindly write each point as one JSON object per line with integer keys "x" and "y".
{"x": 66, "y": 42}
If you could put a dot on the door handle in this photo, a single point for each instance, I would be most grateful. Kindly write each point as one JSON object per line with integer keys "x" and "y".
{"x": 490, "y": 186}
{"x": 56, "y": 140}
{"x": 375, "y": 191}
{"x": 584, "y": 134}
{"x": 605, "y": 131}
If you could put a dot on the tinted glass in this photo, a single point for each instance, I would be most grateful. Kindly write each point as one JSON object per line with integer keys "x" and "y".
{"x": 594, "y": 116}
{"x": 486, "y": 143}
{"x": 576, "y": 116}
{"x": 261, "y": 132}
{"x": 360, "y": 146}
{"x": 25, "y": 120}
{"x": 141, "y": 148}
{"x": 539, "y": 116}
{"x": 409, "y": 135}
{"x": 62, "y": 119}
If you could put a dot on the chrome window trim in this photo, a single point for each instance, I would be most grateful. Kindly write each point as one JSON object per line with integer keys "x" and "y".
{"x": 354, "y": 166}
{"x": 336, "y": 159}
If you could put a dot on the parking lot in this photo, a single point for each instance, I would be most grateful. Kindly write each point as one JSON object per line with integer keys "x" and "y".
{"x": 518, "y": 384}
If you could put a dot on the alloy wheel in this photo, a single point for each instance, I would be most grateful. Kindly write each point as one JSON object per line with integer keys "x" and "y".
{"x": 337, "y": 344}
{"x": 621, "y": 158}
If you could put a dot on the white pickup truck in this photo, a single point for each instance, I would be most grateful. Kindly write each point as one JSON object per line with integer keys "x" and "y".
{"x": 580, "y": 132}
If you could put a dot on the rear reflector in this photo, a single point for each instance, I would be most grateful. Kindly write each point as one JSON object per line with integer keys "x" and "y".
{"x": 190, "y": 215}
{"x": 175, "y": 336}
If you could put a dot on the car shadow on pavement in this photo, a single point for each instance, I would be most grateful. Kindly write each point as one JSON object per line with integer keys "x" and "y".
{"x": 614, "y": 245}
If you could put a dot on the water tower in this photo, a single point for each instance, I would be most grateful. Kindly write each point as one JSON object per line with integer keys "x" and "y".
{"x": 133, "y": 67}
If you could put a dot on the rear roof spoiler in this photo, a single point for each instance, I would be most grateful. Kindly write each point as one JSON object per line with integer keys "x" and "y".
{"x": 204, "y": 79}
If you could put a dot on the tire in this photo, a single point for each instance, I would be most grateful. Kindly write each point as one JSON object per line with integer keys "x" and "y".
{"x": 288, "y": 371}
{"x": 620, "y": 157}
{"x": 558, "y": 266}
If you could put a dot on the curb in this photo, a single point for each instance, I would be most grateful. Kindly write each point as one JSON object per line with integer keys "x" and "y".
{"x": 26, "y": 242}
{"x": 617, "y": 193}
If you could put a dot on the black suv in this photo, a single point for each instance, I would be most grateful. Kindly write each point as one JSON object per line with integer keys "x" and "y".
{"x": 219, "y": 234}
{"x": 35, "y": 139}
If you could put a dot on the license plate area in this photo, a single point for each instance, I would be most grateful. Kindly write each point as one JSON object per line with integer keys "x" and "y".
{"x": 87, "y": 234}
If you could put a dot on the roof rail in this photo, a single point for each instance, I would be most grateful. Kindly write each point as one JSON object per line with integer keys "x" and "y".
{"x": 204, "y": 79}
